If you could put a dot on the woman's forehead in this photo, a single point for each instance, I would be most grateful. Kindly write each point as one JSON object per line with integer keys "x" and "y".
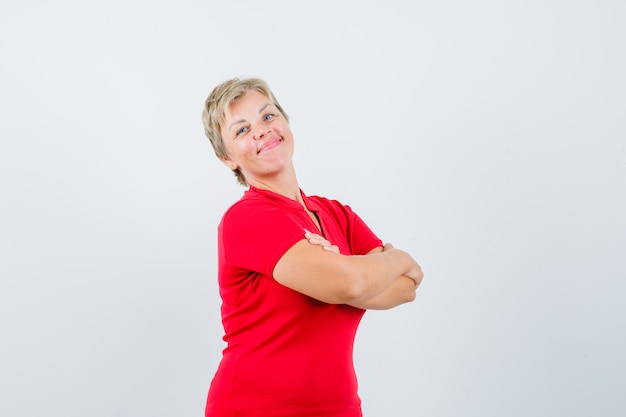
{"x": 252, "y": 101}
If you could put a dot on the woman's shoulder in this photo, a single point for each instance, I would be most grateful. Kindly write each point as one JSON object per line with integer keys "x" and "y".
{"x": 244, "y": 206}
{"x": 256, "y": 204}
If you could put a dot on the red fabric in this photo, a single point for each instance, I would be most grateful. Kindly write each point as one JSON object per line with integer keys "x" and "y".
{"x": 287, "y": 354}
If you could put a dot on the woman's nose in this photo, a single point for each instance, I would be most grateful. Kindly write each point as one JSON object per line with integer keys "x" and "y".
{"x": 260, "y": 133}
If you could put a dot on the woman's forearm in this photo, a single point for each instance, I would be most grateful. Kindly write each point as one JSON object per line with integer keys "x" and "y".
{"x": 401, "y": 291}
{"x": 328, "y": 276}
{"x": 376, "y": 271}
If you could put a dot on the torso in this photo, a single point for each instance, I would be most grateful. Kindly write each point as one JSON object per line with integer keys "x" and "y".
{"x": 287, "y": 353}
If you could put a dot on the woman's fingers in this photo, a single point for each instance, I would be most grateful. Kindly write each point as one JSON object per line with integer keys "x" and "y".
{"x": 388, "y": 246}
{"x": 332, "y": 248}
{"x": 316, "y": 239}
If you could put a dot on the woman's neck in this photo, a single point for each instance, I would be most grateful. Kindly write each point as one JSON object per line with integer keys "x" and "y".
{"x": 285, "y": 184}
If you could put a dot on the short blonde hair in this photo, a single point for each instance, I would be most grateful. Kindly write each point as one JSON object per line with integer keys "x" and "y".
{"x": 216, "y": 105}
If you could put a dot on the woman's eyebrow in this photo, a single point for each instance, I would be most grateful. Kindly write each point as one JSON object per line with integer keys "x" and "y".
{"x": 263, "y": 108}
{"x": 243, "y": 120}
{"x": 236, "y": 122}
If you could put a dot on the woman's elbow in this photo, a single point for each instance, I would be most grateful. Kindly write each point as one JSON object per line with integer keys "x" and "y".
{"x": 355, "y": 288}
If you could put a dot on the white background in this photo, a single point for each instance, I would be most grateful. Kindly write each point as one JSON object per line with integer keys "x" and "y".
{"x": 486, "y": 138}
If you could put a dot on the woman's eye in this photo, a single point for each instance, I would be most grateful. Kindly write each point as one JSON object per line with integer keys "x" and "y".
{"x": 241, "y": 130}
{"x": 268, "y": 116}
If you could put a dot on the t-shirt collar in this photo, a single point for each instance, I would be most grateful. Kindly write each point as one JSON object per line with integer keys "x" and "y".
{"x": 310, "y": 204}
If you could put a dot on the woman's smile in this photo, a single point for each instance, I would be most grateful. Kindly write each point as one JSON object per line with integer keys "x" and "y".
{"x": 270, "y": 144}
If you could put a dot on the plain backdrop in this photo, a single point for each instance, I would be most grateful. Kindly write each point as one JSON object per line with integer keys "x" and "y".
{"x": 486, "y": 138}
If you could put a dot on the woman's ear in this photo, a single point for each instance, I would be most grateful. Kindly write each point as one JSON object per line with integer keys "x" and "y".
{"x": 230, "y": 164}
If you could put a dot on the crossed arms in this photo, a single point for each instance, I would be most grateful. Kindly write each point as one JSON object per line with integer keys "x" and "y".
{"x": 382, "y": 279}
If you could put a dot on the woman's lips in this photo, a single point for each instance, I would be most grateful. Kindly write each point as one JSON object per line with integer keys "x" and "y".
{"x": 270, "y": 144}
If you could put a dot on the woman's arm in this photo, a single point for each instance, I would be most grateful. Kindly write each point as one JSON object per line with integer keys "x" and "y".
{"x": 401, "y": 291}
{"x": 339, "y": 279}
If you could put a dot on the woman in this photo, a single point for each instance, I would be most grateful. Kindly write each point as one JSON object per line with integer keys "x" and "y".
{"x": 295, "y": 272}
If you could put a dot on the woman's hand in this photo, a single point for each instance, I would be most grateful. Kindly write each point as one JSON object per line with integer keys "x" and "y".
{"x": 414, "y": 272}
{"x": 316, "y": 239}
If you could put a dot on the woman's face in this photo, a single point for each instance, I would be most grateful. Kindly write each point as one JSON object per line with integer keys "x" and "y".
{"x": 257, "y": 137}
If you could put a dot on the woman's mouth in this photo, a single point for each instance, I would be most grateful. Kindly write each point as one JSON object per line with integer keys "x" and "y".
{"x": 270, "y": 144}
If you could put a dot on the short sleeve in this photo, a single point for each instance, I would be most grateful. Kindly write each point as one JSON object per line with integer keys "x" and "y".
{"x": 360, "y": 237}
{"x": 256, "y": 236}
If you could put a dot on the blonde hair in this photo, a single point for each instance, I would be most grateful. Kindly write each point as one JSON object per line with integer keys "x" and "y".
{"x": 216, "y": 105}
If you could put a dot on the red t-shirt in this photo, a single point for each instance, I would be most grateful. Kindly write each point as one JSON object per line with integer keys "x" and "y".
{"x": 287, "y": 354}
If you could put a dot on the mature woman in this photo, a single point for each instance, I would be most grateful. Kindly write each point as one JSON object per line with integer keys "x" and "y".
{"x": 295, "y": 272}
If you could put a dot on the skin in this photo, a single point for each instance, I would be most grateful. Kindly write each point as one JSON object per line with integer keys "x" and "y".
{"x": 401, "y": 290}
{"x": 260, "y": 143}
